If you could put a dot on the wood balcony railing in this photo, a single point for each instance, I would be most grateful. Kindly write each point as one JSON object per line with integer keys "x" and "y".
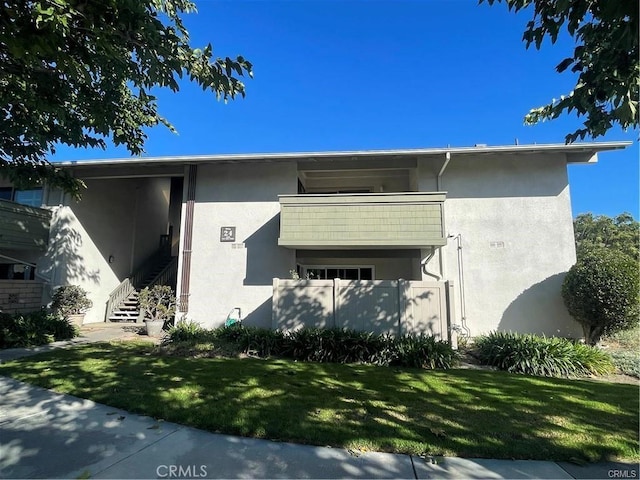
{"x": 362, "y": 221}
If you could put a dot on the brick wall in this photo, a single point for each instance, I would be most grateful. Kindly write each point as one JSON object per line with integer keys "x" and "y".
{"x": 20, "y": 296}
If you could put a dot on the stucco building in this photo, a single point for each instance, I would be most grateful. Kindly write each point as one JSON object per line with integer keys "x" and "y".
{"x": 443, "y": 240}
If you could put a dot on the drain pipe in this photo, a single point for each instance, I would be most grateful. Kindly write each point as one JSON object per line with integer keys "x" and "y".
{"x": 463, "y": 306}
{"x": 441, "y": 256}
{"x": 425, "y": 267}
{"x": 447, "y": 159}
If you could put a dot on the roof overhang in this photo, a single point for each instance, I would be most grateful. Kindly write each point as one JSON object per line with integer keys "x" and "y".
{"x": 575, "y": 153}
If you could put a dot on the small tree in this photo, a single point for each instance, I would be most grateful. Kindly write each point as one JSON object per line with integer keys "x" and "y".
{"x": 604, "y": 61}
{"x": 80, "y": 73}
{"x": 157, "y": 302}
{"x": 70, "y": 300}
{"x": 621, "y": 233}
{"x": 601, "y": 292}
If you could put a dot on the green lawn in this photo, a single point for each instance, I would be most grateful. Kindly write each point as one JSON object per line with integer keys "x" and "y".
{"x": 455, "y": 412}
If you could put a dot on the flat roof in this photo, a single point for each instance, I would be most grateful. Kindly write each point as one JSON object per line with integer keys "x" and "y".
{"x": 576, "y": 153}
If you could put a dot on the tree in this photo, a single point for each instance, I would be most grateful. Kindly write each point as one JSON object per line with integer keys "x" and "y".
{"x": 621, "y": 233}
{"x": 606, "y": 59}
{"x": 77, "y": 72}
{"x": 601, "y": 292}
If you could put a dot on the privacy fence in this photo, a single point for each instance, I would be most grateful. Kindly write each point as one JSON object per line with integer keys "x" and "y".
{"x": 381, "y": 306}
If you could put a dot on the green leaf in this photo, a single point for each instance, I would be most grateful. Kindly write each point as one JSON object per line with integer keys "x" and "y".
{"x": 79, "y": 81}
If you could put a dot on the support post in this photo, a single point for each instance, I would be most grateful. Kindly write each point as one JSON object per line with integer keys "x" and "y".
{"x": 192, "y": 173}
{"x": 275, "y": 309}
{"x": 336, "y": 302}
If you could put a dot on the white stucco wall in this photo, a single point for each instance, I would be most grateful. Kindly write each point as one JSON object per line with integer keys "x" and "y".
{"x": 514, "y": 218}
{"x": 513, "y": 215}
{"x": 123, "y": 218}
{"x": 238, "y": 274}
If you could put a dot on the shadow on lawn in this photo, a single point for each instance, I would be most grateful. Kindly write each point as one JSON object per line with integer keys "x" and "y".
{"x": 461, "y": 412}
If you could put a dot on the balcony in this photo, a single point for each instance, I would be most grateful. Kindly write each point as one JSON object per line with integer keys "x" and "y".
{"x": 23, "y": 227}
{"x": 362, "y": 221}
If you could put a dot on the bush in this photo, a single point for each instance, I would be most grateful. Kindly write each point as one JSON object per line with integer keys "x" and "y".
{"x": 601, "y": 293}
{"x": 423, "y": 352}
{"x": 337, "y": 346}
{"x": 32, "y": 329}
{"x": 627, "y": 362}
{"x": 535, "y": 355}
{"x": 322, "y": 345}
{"x": 157, "y": 302}
{"x": 70, "y": 300}
{"x": 252, "y": 340}
{"x": 187, "y": 331}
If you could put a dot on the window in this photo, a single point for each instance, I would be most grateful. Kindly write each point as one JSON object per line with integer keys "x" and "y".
{"x": 16, "y": 271}
{"x": 32, "y": 198}
{"x": 6, "y": 193}
{"x": 321, "y": 272}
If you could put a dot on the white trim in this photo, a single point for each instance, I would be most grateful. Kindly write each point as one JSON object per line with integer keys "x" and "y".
{"x": 592, "y": 147}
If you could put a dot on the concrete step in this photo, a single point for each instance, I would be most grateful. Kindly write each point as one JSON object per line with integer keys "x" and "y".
{"x": 124, "y": 315}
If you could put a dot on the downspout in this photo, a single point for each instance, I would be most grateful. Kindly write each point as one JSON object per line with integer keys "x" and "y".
{"x": 425, "y": 265}
{"x": 447, "y": 159}
{"x": 441, "y": 257}
{"x": 463, "y": 305}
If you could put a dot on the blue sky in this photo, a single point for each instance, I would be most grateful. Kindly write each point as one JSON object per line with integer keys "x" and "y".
{"x": 368, "y": 74}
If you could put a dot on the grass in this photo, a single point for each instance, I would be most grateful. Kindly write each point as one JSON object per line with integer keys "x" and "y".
{"x": 467, "y": 413}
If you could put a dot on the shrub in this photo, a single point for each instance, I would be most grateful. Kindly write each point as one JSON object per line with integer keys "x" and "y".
{"x": 32, "y": 329}
{"x": 423, "y": 352}
{"x": 263, "y": 342}
{"x": 627, "y": 362}
{"x": 70, "y": 300}
{"x": 323, "y": 345}
{"x": 535, "y": 355}
{"x": 601, "y": 292}
{"x": 157, "y": 302}
{"x": 188, "y": 331}
{"x": 337, "y": 346}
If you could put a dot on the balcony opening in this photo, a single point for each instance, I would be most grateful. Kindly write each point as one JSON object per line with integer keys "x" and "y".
{"x": 353, "y": 181}
{"x": 330, "y": 272}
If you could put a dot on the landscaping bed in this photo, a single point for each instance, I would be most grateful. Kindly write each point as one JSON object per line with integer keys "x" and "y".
{"x": 469, "y": 413}
{"x": 33, "y": 329}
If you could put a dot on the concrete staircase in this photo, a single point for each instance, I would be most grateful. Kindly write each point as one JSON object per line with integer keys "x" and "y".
{"x": 128, "y": 310}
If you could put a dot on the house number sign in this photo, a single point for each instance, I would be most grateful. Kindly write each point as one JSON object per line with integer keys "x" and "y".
{"x": 227, "y": 234}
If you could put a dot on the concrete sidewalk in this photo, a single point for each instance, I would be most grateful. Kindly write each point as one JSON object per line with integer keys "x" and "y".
{"x": 44, "y": 434}
{"x": 48, "y": 435}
